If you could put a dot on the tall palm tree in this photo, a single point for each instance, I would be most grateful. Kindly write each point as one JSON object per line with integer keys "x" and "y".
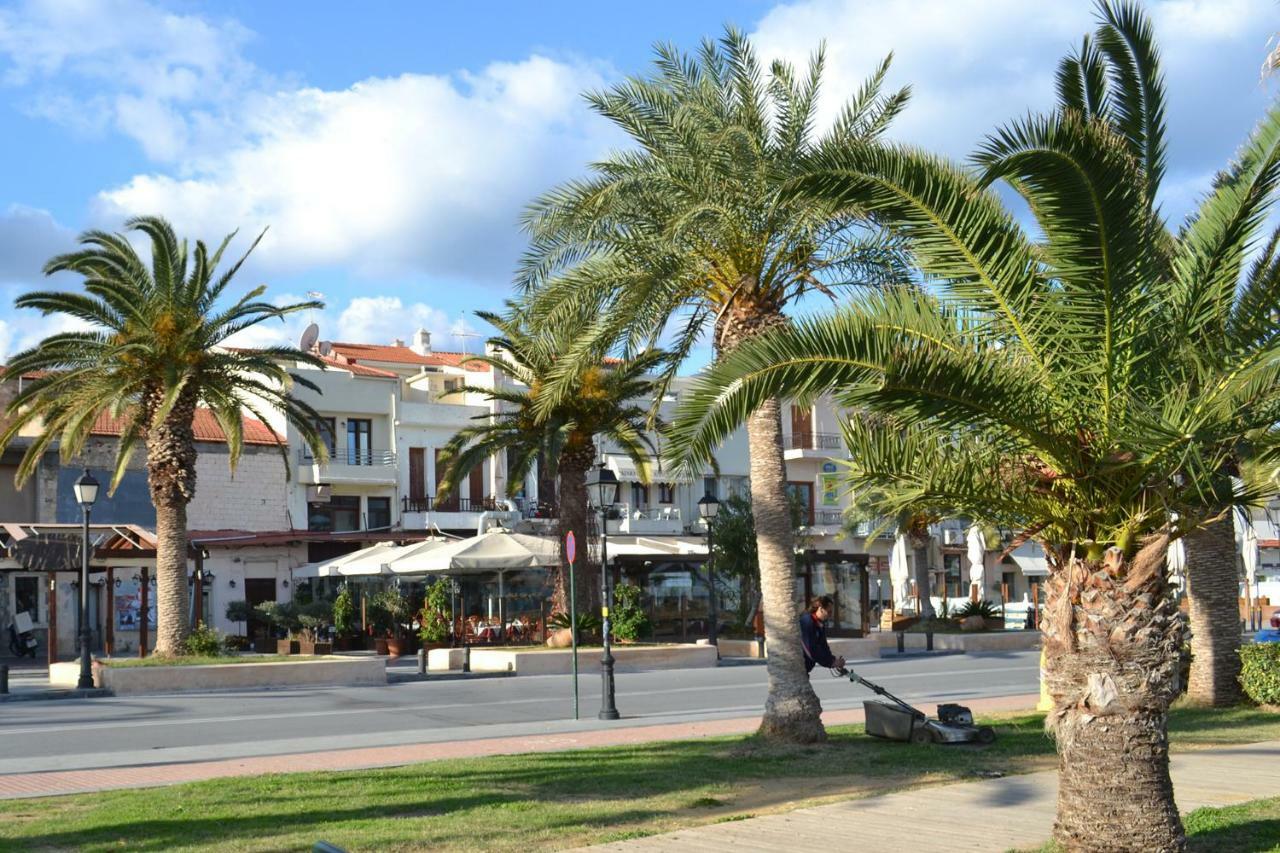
{"x": 607, "y": 404}
{"x": 688, "y": 234}
{"x": 1047, "y": 383}
{"x": 151, "y": 356}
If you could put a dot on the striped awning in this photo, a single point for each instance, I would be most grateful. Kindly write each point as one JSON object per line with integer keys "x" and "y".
{"x": 627, "y": 471}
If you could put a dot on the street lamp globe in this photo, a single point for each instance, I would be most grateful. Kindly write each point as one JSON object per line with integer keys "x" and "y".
{"x": 602, "y": 484}
{"x": 86, "y": 489}
{"x": 708, "y": 506}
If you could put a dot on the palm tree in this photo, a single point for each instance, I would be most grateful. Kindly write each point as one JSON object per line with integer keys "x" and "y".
{"x": 606, "y": 404}
{"x": 1048, "y": 383}
{"x": 151, "y": 356}
{"x": 688, "y": 234}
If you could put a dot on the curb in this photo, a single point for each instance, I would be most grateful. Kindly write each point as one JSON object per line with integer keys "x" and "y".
{"x": 46, "y": 695}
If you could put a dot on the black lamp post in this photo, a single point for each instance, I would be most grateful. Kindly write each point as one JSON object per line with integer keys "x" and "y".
{"x": 86, "y": 489}
{"x": 708, "y": 507}
{"x": 602, "y": 484}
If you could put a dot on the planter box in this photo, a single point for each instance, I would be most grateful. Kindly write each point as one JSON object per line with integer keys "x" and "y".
{"x": 308, "y": 648}
{"x": 849, "y": 648}
{"x": 288, "y": 647}
{"x": 560, "y": 661}
{"x": 990, "y": 641}
{"x": 139, "y": 680}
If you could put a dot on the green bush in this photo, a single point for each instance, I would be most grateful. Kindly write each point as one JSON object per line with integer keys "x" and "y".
{"x": 1260, "y": 673}
{"x": 588, "y": 624}
{"x": 629, "y": 621}
{"x": 983, "y": 608}
{"x": 434, "y": 618}
{"x": 203, "y": 642}
{"x": 344, "y": 612}
{"x": 235, "y": 643}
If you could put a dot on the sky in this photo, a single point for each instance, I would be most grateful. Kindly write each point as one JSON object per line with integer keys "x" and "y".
{"x": 389, "y": 148}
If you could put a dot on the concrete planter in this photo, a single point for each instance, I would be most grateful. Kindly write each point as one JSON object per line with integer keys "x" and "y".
{"x": 560, "y": 661}
{"x": 139, "y": 680}
{"x": 991, "y": 641}
{"x": 849, "y": 648}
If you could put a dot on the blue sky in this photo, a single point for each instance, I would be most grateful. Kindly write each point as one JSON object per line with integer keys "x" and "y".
{"x": 391, "y": 146}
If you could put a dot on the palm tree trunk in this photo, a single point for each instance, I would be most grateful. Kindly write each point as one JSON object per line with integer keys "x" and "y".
{"x": 792, "y": 711}
{"x": 1112, "y": 639}
{"x": 575, "y": 461}
{"x": 1213, "y": 585}
{"x": 171, "y": 475}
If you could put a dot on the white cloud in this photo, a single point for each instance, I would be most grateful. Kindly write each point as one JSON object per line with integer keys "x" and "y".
{"x": 415, "y": 173}
{"x": 29, "y": 237}
{"x": 156, "y": 74}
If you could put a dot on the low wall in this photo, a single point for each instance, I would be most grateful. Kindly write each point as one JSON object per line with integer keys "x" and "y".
{"x": 134, "y": 680}
{"x": 990, "y": 641}
{"x": 560, "y": 661}
{"x": 849, "y": 648}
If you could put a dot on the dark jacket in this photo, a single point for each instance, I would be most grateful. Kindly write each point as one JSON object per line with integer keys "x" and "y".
{"x": 813, "y": 637}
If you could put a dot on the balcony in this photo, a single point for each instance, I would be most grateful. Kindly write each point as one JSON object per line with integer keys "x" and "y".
{"x": 646, "y": 521}
{"x": 812, "y": 445}
{"x": 348, "y": 467}
{"x": 828, "y": 518}
{"x": 450, "y": 504}
{"x": 864, "y": 528}
{"x": 448, "y": 513}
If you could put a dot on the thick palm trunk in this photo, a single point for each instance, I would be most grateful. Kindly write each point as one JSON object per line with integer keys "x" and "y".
{"x": 792, "y": 711}
{"x": 1213, "y": 583}
{"x": 575, "y": 461}
{"x": 171, "y": 475}
{"x": 920, "y": 557}
{"x": 1112, "y": 640}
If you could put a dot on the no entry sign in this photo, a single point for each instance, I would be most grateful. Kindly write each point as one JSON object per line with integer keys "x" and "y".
{"x": 570, "y": 546}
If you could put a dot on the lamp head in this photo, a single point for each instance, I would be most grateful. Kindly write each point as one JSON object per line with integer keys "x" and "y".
{"x": 602, "y": 485}
{"x": 86, "y": 489}
{"x": 708, "y": 506}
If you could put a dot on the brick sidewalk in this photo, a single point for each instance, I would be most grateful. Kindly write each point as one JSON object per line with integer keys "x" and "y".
{"x": 53, "y": 783}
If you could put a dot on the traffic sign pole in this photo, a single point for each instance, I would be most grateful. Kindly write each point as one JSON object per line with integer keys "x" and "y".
{"x": 570, "y": 551}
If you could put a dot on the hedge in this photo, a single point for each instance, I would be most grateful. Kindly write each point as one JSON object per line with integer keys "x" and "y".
{"x": 1260, "y": 673}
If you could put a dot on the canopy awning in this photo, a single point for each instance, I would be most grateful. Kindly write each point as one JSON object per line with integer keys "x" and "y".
{"x": 496, "y": 550}
{"x": 628, "y": 472}
{"x": 1030, "y": 558}
{"x": 366, "y": 561}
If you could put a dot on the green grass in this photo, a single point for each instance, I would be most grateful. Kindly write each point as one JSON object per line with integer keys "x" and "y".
{"x": 1252, "y": 827}
{"x": 193, "y": 660}
{"x": 544, "y": 801}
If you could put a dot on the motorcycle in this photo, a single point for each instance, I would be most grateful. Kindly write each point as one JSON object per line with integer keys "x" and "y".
{"x": 21, "y": 644}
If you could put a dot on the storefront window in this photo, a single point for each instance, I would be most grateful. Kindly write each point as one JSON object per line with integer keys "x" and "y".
{"x": 379, "y": 512}
{"x": 27, "y": 597}
{"x": 340, "y": 514}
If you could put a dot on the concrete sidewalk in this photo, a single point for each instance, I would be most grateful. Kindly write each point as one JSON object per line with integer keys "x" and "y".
{"x": 584, "y": 735}
{"x": 993, "y": 815}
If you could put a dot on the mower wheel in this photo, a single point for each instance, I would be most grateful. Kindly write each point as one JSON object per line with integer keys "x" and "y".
{"x": 986, "y": 735}
{"x": 921, "y": 736}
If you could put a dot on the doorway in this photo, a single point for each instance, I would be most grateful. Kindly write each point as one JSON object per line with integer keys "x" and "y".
{"x": 256, "y": 591}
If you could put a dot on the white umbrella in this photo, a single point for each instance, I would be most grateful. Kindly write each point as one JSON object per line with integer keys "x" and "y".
{"x": 1175, "y": 560}
{"x": 1250, "y": 554}
{"x": 899, "y": 573}
{"x": 977, "y": 557}
{"x": 492, "y": 551}
{"x": 365, "y": 561}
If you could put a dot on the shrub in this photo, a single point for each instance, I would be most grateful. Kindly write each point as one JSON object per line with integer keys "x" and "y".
{"x": 983, "y": 608}
{"x": 629, "y": 621}
{"x": 434, "y": 618}
{"x": 235, "y": 643}
{"x": 203, "y": 641}
{"x": 1260, "y": 673}
{"x": 279, "y": 614}
{"x": 239, "y": 611}
{"x": 588, "y": 624}
{"x": 344, "y": 612}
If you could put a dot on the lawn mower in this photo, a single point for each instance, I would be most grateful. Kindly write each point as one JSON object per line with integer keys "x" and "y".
{"x": 896, "y": 720}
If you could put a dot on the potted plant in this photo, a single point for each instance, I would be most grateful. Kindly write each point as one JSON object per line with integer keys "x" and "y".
{"x": 281, "y": 616}
{"x": 389, "y": 610}
{"x": 344, "y": 618}
{"x": 239, "y": 612}
{"x": 313, "y": 619}
{"x": 629, "y": 620}
{"x": 433, "y": 620}
{"x": 980, "y": 616}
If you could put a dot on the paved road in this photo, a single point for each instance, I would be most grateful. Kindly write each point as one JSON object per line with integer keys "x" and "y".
{"x": 120, "y": 732}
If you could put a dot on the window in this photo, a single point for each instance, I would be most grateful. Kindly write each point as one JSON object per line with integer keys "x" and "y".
{"x": 379, "y": 512}
{"x": 711, "y": 486}
{"x": 803, "y": 494}
{"x": 28, "y": 596}
{"x": 639, "y": 495}
{"x": 327, "y": 430}
{"x": 340, "y": 514}
{"x": 359, "y": 436}
{"x": 666, "y": 493}
{"x": 953, "y": 575}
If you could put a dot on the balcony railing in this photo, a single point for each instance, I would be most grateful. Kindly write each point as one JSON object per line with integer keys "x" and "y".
{"x": 864, "y": 528}
{"x": 828, "y": 517}
{"x": 814, "y": 441}
{"x": 449, "y": 504}
{"x": 351, "y": 457}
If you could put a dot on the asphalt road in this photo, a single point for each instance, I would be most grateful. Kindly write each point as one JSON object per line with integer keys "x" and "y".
{"x": 120, "y": 732}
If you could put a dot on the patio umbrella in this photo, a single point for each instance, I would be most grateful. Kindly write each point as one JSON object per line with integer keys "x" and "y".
{"x": 899, "y": 573}
{"x": 492, "y": 551}
{"x": 1176, "y": 560}
{"x": 359, "y": 562}
{"x": 1247, "y": 542}
{"x": 977, "y": 558}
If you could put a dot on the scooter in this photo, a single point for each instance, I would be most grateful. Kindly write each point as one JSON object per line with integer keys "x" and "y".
{"x": 21, "y": 644}
{"x": 897, "y": 720}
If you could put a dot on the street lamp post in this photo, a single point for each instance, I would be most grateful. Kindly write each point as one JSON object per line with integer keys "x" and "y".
{"x": 602, "y": 484}
{"x": 86, "y": 489}
{"x": 708, "y": 507}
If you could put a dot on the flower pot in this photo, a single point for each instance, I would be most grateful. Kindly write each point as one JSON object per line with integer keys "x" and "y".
{"x": 396, "y": 646}
{"x": 346, "y": 644}
{"x": 287, "y": 647}
{"x": 380, "y": 646}
{"x": 319, "y": 648}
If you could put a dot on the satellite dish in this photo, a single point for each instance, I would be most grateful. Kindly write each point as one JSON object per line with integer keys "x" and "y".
{"x": 325, "y": 348}
{"x": 309, "y": 336}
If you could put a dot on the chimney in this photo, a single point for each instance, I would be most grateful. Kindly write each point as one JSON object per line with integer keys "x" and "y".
{"x": 397, "y": 342}
{"x": 422, "y": 342}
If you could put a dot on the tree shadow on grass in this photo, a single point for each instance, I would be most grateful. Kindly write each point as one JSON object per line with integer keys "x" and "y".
{"x": 1253, "y": 836}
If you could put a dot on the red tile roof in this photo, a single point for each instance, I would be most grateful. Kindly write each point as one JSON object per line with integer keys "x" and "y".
{"x": 349, "y": 353}
{"x": 357, "y": 369}
{"x": 206, "y": 429}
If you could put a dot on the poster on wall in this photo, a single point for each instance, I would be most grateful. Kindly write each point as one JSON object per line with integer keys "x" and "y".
{"x": 830, "y": 486}
{"x": 129, "y": 607}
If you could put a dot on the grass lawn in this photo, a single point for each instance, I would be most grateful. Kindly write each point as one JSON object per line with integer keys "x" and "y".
{"x": 548, "y": 800}
{"x": 194, "y": 660}
{"x": 1252, "y": 827}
